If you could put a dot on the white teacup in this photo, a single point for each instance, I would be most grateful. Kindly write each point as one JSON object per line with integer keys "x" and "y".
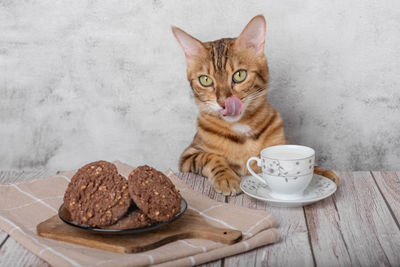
{"x": 286, "y": 169}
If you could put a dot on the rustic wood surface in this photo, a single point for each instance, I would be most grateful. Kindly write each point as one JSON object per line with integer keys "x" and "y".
{"x": 358, "y": 225}
{"x": 293, "y": 248}
{"x": 389, "y": 185}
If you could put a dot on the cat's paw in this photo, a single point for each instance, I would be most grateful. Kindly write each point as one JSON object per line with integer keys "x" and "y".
{"x": 228, "y": 184}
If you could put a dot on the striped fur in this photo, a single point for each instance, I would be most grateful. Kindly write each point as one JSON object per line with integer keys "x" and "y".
{"x": 219, "y": 150}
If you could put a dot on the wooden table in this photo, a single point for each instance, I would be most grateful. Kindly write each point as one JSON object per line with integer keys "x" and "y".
{"x": 358, "y": 225}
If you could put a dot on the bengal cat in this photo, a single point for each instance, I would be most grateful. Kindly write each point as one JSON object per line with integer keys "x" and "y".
{"x": 229, "y": 79}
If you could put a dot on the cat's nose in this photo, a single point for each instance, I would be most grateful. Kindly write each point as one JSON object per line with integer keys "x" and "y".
{"x": 221, "y": 103}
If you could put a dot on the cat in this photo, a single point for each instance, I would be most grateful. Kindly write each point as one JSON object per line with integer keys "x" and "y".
{"x": 229, "y": 80}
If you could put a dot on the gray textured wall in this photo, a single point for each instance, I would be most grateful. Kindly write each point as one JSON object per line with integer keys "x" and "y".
{"x": 87, "y": 80}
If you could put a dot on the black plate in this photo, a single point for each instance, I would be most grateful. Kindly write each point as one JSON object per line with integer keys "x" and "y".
{"x": 65, "y": 216}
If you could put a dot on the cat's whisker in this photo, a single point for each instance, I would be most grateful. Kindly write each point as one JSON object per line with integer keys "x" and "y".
{"x": 254, "y": 96}
{"x": 207, "y": 107}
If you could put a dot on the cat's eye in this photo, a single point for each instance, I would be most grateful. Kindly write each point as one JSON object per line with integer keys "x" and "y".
{"x": 239, "y": 76}
{"x": 205, "y": 80}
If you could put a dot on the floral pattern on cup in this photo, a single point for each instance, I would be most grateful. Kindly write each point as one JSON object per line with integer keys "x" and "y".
{"x": 274, "y": 167}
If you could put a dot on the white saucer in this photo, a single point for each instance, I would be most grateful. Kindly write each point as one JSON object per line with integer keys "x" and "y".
{"x": 319, "y": 188}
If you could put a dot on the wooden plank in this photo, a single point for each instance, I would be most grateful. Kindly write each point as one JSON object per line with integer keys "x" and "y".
{"x": 364, "y": 225}
{"x": 328, "y": 245}
{"x": 11, "y": 176}
{"x": 3, "y": 237}
{"x": 293, "y": 249}
{"x": 217, "y": 263}
{"x": 200, "y": 184}
{"x": 13, "y": 254}
{"x": 389, "y": 185}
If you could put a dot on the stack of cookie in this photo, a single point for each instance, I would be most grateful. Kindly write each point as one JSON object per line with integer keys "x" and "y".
{"x": 98, "y": 196}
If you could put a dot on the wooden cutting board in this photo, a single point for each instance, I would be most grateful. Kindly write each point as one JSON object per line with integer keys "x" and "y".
{"x": 190, "y": 225}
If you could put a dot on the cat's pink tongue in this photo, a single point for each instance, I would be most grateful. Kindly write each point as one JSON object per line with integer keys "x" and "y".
{"x": 233, "y": 106}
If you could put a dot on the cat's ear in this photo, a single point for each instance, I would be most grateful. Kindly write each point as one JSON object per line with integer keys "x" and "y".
{"x": 190, "y": 45}
{"x": 253, "y": 35}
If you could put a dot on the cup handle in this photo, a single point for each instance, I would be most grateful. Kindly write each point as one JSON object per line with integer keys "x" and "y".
{"x": 252, "y": 172}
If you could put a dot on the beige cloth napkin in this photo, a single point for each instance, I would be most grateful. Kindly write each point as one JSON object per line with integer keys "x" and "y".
{"x": 24, "y": 205}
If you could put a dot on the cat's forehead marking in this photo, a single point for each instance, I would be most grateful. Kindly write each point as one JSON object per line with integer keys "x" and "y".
{"x": 219, "y": 53}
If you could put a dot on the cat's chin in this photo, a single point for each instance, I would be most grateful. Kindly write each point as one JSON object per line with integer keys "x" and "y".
{"x": 232, "y": 118}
